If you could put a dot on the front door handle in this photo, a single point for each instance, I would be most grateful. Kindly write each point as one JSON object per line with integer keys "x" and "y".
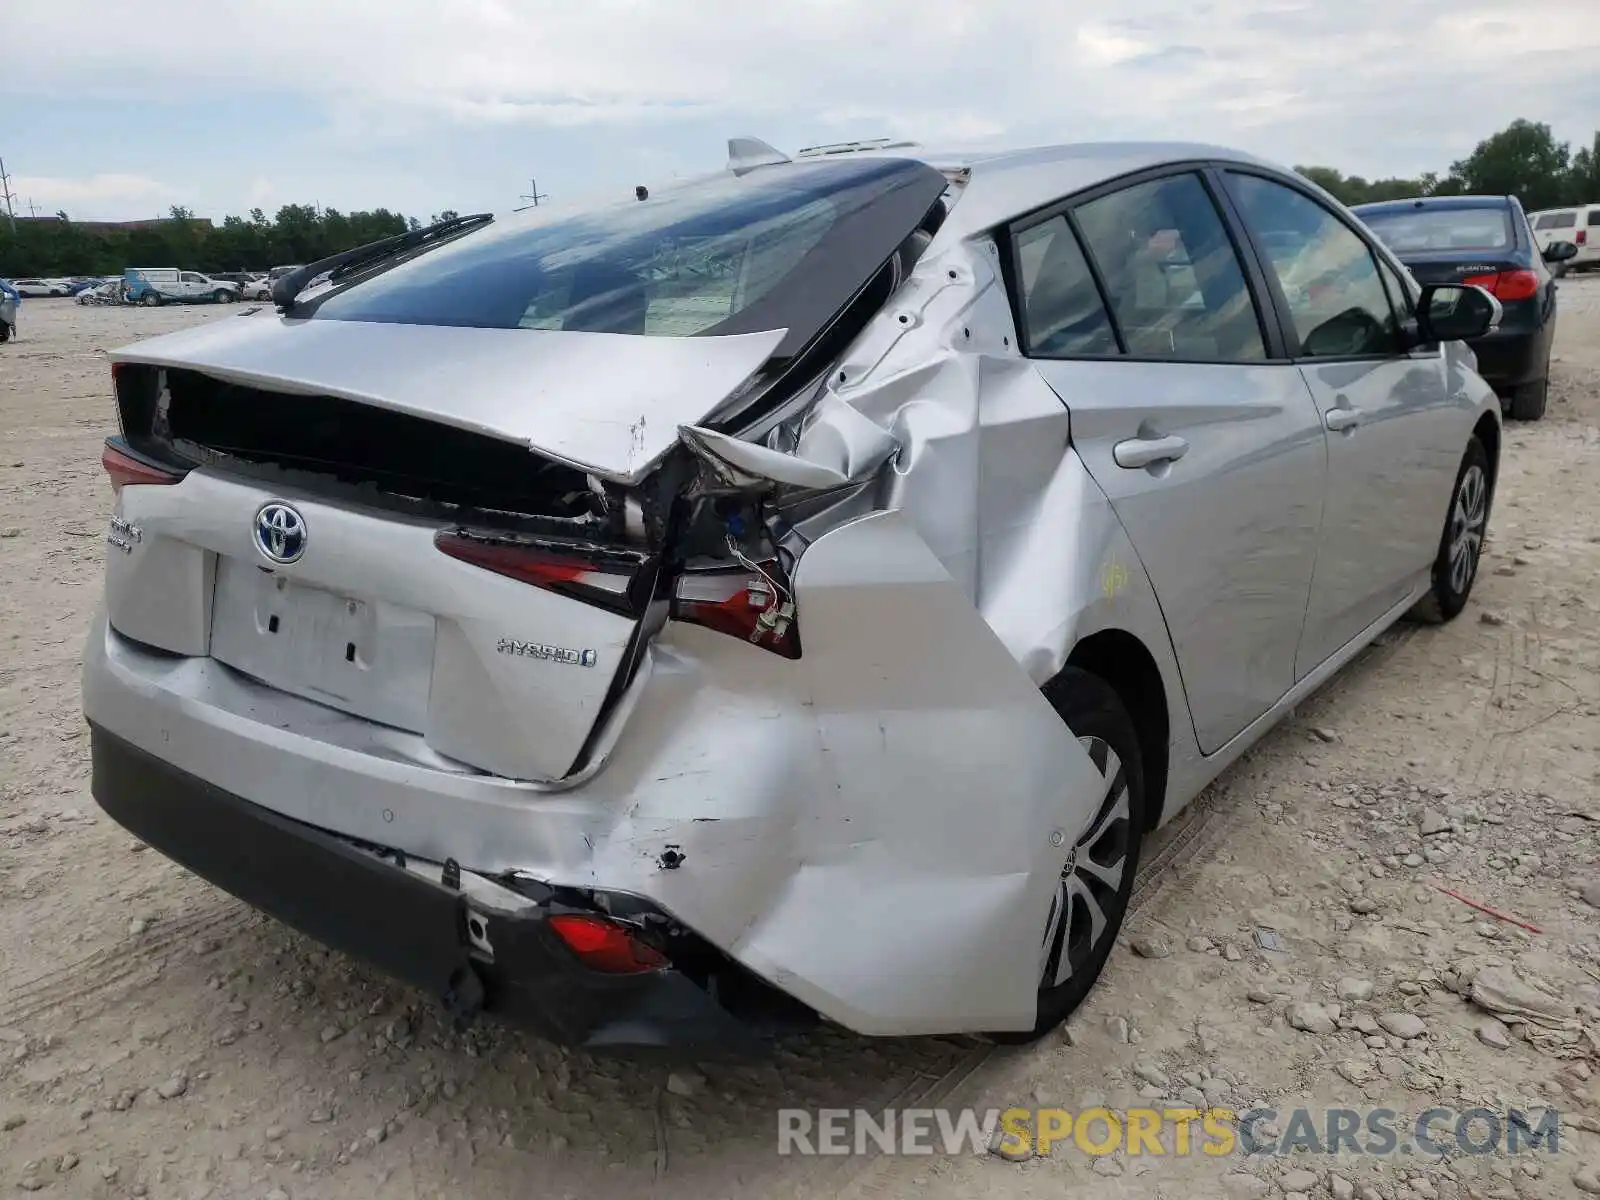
{"x": 1146, "y": 452}
{"x": 1343, "y": 419}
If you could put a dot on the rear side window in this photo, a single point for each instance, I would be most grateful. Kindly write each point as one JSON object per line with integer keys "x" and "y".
{"x": 1561, "y": 220}
{"x": 1328, "y": 274}
{"x": 1060, "y": 307}
{"x": 1175, "y": 285}
{"x": 1594, "y": 217}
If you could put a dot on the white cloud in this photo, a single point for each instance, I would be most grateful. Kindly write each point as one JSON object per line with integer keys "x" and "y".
{"x": 94, "y": 196}
{"x": 1107, "y": 46}
{"x": 1368, "y": 85}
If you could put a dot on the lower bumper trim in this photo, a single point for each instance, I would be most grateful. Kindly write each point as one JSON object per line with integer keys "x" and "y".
{"x": 400, "y": 922}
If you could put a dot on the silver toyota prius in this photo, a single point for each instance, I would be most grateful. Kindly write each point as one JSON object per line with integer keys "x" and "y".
{"x": 790, "y": 594}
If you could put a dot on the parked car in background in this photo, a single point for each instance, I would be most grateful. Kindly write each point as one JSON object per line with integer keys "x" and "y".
{"x": 1579, "y": 225}
{"x": 40, "y": 288}
{"x": 1485, "y": 241}
{"x": 106, "y": 291}
{"x": 164, "y": 285}
{"x": 10, "y": 301}
{"x": 258, "y": 287}
{"x": 581, "y": 633}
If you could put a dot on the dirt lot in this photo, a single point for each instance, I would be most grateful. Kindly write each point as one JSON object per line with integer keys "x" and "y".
{"x": 158, "y": 1039}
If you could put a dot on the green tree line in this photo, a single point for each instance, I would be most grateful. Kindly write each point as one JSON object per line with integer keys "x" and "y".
{"x": 1523, "y": 160}
{"x": 299, "y": 233}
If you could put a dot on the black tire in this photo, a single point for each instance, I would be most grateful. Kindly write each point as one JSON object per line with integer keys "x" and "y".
{"x": 1528, "y": 401}
{"x": 222, "y": 295}
{"x": 1470, "y": 502}
{"x": 151, "y": 299}
{"x": 1095, "y": 714}
{"x": 5, "y": 333}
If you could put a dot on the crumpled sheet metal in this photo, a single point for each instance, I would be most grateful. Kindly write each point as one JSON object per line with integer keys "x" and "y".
{"x": 868, "y": 827}
{"x": 963, "y": 436}
{"x": 905, "y": 875}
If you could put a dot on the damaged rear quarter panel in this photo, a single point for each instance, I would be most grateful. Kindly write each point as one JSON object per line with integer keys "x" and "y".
{"x": 900, "y": 881}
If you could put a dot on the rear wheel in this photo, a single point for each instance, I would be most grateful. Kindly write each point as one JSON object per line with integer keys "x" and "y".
{"x": 1528, "y": 401}
{"x": 1099, "y": 860}
{"x": 150, "y": 299}
{"x": 1461, "y": 543}
{"x": 5, "y": 332}
{"x": 222, "y": 295}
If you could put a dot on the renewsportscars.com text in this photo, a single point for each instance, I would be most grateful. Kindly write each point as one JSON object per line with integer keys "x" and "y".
{"x": 1180, "y": 1132}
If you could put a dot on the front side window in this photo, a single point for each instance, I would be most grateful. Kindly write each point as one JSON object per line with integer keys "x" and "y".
{"x": 1173, "y": 279}
{"x": 1594, "y": 217}
{"x": 1060, "y": 305}
{"x": 1399, "y": 294}
{"x": 1328, "y": 274}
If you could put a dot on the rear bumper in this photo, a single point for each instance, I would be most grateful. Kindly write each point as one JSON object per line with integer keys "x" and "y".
{"x": 1510, "y": 358}
{"x": 865, "y": 831}
{"x": 403, "y": 923}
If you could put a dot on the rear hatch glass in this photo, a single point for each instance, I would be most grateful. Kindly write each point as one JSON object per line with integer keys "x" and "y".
{"x": 780, "y": 247}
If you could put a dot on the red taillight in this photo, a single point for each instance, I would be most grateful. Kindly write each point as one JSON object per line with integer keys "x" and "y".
{"x": 611, "y": 578}
{"x": 606, "y": 945}
{"x": 1580, "y": 237}
{"x": 752, "y": 602}
{"x": 125, "y": 469}
{"x": 1507, "y": 285}
{"x": 1517, "y": 285}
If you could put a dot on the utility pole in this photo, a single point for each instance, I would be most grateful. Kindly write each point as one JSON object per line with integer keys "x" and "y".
{"x": 7, "y": 196}
{"x": 33, "y": 209}
{"x": 535, "y": 195}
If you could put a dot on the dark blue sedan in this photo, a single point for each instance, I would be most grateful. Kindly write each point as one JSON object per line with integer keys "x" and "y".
{"x": 1485, "y": 240}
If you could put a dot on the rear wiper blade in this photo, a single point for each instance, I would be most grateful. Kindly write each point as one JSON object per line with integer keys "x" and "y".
{"x": 289, "y": 286}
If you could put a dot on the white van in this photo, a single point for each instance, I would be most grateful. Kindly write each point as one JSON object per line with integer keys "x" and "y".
{"x": 159, "y": 285}
{"x": 1579, "y": 225}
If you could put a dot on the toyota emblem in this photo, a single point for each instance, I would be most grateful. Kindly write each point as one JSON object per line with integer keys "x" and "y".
{"x": 280, "y": 533}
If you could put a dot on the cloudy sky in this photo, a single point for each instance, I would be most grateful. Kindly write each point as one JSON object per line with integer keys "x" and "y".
{"x": 115, "y": 109}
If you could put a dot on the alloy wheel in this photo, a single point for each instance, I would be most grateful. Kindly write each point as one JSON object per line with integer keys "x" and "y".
{"x": 1092, "y": 875}
{"x": 1467, "y": 518}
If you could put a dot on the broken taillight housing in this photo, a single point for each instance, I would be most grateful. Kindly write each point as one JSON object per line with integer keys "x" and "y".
{"x": 752, "y": 601}
{"x": 602, "y": 944}
{"x": 123, "y": 469}
{"x": 612, "y": 578}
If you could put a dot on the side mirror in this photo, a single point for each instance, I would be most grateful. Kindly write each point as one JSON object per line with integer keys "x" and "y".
{"x": 1558, "y": 252}
{"x": 1452, "y": 312}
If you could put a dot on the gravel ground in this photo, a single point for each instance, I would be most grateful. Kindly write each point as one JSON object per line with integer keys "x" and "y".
{"x": 159, "y": 1039}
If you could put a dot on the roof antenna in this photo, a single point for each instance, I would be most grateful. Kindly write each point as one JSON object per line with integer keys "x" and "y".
{"x": 746, "y": 154}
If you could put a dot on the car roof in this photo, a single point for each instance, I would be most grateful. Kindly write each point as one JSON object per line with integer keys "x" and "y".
{"x": 1001, "y": 184}
{"x": 1433, "y": 202}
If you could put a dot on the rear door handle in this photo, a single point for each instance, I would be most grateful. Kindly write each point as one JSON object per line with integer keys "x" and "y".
{"x": 1341, "y": 420}
{"x": 1146, "y": 452}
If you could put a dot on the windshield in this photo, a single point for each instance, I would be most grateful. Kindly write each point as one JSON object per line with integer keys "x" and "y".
{"x": 1441, "y": 228}
{"x": 774, "y": 248}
